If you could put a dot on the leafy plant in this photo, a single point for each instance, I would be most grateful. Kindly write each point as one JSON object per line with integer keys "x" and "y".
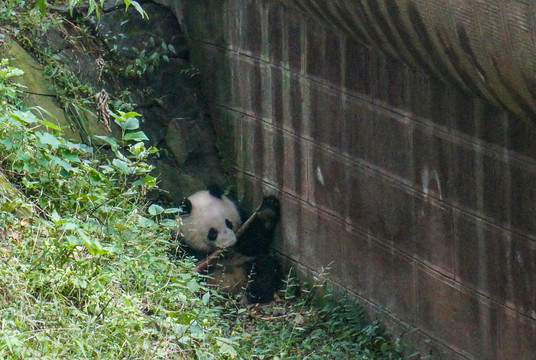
{"x": 88, "y": 276}
{"x": 93, "y": 6}
{"x": 190, "y": 72}
{"x": 147, "y": 61}
{"x": 7, "y": 8}
{"x": 9, "y": 92}
{"x": 7, "y": 12}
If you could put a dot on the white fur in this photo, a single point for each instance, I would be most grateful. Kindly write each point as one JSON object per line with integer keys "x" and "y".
{"x": 209, "y": 212}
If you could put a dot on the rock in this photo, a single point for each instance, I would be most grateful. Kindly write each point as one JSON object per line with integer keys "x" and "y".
{"x": 38, "y": 88}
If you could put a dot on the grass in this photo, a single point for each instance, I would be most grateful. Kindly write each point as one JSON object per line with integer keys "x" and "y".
{"x": 85, "y": 271}
{"x": 311, "y": 324}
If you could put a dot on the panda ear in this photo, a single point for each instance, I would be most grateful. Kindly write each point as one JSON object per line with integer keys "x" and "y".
{"x": 186, "y": 207}
{"x": 215, "y": 190}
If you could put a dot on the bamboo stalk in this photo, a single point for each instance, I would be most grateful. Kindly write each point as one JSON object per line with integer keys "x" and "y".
{"x": 203, "y": 264}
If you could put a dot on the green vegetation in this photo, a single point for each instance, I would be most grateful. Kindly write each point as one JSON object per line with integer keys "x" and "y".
{"x": 148, "y": 61}
{"x": 85, "y": 270}
{"x": 87, "y": 275}
{"x": 310, "y": 324}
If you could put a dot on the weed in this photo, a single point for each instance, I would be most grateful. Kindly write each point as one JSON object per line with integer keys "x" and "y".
{"x": 310, "y": 323}
{"x": 190, "y": 72}
{"x": 148, "y": 59}
{"x": 9, "y": 92}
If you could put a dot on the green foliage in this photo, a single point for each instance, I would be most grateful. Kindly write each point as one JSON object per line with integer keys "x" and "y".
{"x": 93, "y": 7}
{"x": 88, "y": 276}
{"x": 69, "y": 174}
{"x": 191, "y": 72}
{"x": 136, "y": 6}
{"x": 311, "y": 324}
{"x": 348, "y": 325}
{"x": 7, "y": 12}
{"x": 148, "y": 60}
{"x": 68, "y": 89}
{"x": 9, "y": 93}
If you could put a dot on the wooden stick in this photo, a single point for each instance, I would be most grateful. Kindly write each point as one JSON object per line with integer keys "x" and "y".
{"x": 203, "y": 264}
{"x": 245, "y": 225}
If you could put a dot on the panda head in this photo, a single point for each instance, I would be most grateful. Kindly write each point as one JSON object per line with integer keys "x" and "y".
{"x": 209, "y": 221}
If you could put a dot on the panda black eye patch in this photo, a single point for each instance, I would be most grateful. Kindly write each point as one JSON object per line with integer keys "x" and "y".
{"x": 212, "y": 234}
{"x": 229, "y": 224}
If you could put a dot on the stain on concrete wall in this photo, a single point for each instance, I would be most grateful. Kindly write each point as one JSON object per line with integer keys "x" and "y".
{"x": 419, "y": 197}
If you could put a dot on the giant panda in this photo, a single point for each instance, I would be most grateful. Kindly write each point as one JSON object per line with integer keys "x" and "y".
{"x": 208, "y": 222}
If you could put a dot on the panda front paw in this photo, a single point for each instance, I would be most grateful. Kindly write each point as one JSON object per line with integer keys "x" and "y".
{"x": 270, "y": 202}
{"x": 270, "y": 208}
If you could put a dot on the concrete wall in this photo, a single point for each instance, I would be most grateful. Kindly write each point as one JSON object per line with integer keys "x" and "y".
{"x": 421, "y": 197}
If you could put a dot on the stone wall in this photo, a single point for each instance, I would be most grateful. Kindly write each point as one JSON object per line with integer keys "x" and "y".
{"x": 417, "y": 196}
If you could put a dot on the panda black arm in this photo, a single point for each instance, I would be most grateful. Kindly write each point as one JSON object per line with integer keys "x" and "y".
{"x": 258, "y": 237}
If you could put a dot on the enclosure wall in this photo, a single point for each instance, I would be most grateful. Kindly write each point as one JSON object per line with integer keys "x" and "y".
{"x": 419, "y": 198}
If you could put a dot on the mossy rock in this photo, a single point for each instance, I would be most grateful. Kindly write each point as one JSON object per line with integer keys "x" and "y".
{"x": 81, "y": 124}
